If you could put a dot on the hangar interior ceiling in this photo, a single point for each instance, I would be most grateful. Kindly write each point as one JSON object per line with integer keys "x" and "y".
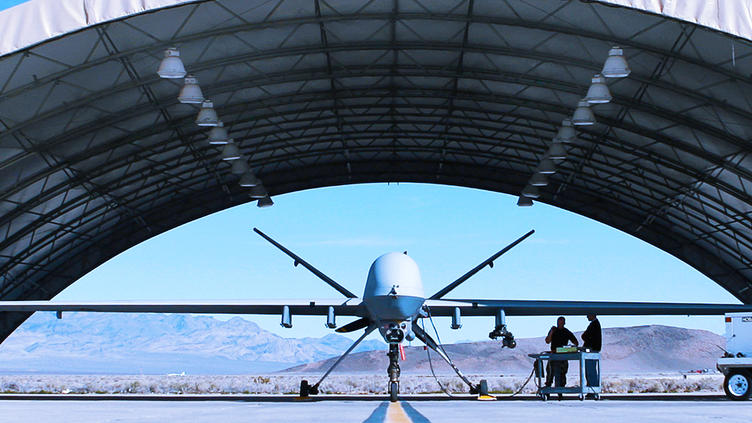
{"x": 97, "y": 154}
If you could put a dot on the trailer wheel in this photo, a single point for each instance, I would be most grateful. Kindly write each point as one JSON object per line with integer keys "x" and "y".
{"x": 737, "y": 385}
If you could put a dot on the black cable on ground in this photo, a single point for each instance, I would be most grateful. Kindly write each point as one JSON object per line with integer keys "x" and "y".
{"x": 438, "y": 339}
{"x": 430, "y": 364}
{"x": 524, "y": 384}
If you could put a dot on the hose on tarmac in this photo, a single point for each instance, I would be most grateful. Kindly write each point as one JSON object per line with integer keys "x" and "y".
{"x": 524, "y": 384}
{"x": 430, "y": 364}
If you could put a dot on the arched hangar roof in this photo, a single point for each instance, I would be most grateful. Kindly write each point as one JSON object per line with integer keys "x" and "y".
{"x": 97, "y": 154}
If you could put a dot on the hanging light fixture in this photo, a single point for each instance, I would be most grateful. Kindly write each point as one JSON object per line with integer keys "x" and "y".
{"x": 539, "y": 180}
{"x": 524, "y": 201}
{"x": 616, "y": 65}
{"x": 258, "y": 191}
{"x": 598, "y": 92}
{"x": 567, "y": 132}
{"x": 557, "y": 151}
{"x": 546, "y": 166}
{"x": 531, "y": 191}
{"x": 265, "y": 202}
{"x": 207, "y": 116}
{"x": 230, "y": 151}
{"x": 171, "y": 66}
{"x": 239, "y": 167}
{"x": 191, "y": 91}
{"x": 218, "y": 134}
{"x": 583, "y": 115}
{"x": 249, "y": 180}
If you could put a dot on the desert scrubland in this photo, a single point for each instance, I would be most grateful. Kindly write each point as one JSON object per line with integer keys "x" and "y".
{"x": 335, "y": 384}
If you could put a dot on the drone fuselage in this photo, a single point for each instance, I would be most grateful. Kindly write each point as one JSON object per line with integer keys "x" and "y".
{"x": 394, "y": 295}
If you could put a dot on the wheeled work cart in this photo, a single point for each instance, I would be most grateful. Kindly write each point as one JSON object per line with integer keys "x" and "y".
{"x": 590, "y": 370}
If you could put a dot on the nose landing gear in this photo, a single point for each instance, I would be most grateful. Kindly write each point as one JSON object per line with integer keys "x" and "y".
{"x": 393, "y": 371}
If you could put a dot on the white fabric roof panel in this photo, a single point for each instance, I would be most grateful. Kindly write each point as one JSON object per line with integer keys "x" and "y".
{"x": 36, "y": 21}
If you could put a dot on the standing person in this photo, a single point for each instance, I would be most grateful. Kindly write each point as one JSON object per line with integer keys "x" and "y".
{"x": 558, "y": 336}
{"x": 592, "y": 340}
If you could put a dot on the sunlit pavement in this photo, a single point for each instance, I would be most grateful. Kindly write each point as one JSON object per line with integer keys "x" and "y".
{"x": 681, "y": 409}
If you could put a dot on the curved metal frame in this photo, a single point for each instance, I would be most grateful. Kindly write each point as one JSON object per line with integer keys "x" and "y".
{"x": 401, "y": 104}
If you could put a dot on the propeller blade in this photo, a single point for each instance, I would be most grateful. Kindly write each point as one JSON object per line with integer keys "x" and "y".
{"x": 354, "y": 325}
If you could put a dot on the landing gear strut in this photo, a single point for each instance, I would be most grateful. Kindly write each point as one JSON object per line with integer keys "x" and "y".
{"x": 306, "y": 390}
{"x": 393, "y": 371}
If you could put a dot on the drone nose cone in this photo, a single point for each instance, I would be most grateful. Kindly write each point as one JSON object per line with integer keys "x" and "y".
{"x": 394, "y": 274}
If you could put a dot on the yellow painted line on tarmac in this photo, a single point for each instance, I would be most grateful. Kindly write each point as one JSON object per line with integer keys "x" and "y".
{"x": 395, "y": 414}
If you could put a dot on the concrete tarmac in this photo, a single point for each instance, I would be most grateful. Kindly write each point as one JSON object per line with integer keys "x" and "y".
{"x": 680, "y": 409}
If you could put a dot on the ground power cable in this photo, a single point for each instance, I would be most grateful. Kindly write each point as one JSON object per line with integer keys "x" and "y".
{"x": 438, "y": 339}
{"x": 430, "y": 364}
{"x": 524, "y": 384}
{"x": 441, "y": 347}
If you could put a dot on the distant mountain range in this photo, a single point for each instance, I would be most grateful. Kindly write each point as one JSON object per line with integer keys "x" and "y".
{"x": 631, "y": 350}
{"x": 102, "y": 343}
{"x": 158, "y": 343}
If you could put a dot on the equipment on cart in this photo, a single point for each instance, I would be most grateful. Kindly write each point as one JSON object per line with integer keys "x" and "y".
{"x": 590, "y": 374}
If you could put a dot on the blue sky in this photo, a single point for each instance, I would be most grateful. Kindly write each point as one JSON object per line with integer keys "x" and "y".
{"x": 4, "y": 4}
{"x": 447, "y": 230}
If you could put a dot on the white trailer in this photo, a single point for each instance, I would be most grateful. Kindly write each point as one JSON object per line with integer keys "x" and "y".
{"x": 736, "y": 363}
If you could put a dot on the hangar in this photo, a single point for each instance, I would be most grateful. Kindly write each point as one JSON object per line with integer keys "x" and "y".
{"x": 98, "y": 154}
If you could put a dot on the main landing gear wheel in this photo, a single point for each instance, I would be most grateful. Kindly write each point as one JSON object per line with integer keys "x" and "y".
{"x": 393, "y": 391}
{"x": 307, "y": 390}
{"x": 737, "y": 386}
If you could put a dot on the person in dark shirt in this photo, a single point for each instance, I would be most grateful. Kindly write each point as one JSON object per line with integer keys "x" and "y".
{"x": 558, "y": 336}
{"x": 591, "y": 338}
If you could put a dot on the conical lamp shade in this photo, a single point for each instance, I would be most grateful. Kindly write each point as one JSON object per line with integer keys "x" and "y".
{"x": 171, "y": 66}
{"x": 230, "y": 151}
{"x": 239, "y": 167}
{"x": 524, "y": 201}
{"x": 531, "y": 191}
{"x": 598, "y": 92}
{"x": 258, "y": 191}
{"x": 566, "y": 133}
{"x": 539, "y": 180}
{"x": 249, "y": 180}
{"x": 557, "y": 151}
{"x": 616, "y": 65}
{"x": 583, "y": 115}
{"x": 547, "y": 166}
{"x": 218, "y": 134}
{"x": 265, "y": 202}
{"x": 207, "y": 116}
{"x": 191, "y": 92}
